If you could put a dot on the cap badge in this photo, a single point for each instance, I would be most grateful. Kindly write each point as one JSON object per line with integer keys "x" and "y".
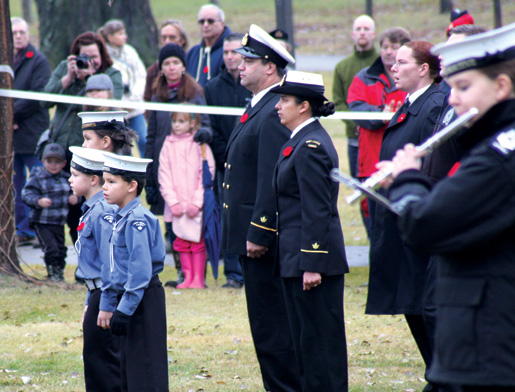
{"x": 245, "y": 39}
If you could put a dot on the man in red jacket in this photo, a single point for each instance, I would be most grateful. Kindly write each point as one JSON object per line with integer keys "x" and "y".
{"x": 373, "y": 90}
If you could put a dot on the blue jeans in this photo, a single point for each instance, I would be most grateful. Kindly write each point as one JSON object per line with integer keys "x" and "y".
{"x": 232, "y": 266}
{"x": 139, "y": 125}
{"x": 21, "y": 163}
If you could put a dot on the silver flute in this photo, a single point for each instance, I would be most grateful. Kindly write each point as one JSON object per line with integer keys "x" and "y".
{"x": 427, "y": 147}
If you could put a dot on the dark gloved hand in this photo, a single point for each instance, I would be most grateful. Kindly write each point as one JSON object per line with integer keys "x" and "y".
{"x": 152, "y": 194}
{"x": 202, "y": 136}
{"x": 119, "y": 323}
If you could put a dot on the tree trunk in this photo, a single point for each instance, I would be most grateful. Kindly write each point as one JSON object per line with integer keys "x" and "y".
{"x": 284, "y": 20}
{"x": 497, "y": 14}
{"x": 369, "y": 8}
{"x": 27, "y": 11}
{"x": 445, "y": 6}
{"x": 9, "y": 263}
{"x": 61, "y": 21}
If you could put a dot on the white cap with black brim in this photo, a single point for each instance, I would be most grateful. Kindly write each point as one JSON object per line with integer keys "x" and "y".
{"x": 258, "y": 44}
{"x": 87, "y": 160}
{"x": 123, "y": 164}
{"x": 302, "y": 84}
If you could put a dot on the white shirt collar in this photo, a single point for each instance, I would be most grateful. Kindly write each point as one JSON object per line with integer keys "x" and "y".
{"x": 258, "y": 96}
{"x": 305, "y": 123}
{"x": 413, "y": 97}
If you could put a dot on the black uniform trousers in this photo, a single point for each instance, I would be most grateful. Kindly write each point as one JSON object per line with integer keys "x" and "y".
{"x": 318, "y": 330}
{"x": 101, "y": 351}
{"x": 51, "y": 238}
{"x": 269, "y": 325}
{"x": 144, "y": 357}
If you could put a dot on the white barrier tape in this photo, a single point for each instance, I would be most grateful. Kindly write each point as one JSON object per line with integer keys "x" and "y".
{"x": 7, "y": 69}
{"x": 168, "y": 107}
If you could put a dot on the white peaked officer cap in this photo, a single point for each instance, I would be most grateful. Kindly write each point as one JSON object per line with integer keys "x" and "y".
{"x": 87, "y": 160}
{"x": 302, "y": 84}
{"x": 98, "y": 120}
{"x": 121, "y": 164}
{"x": 477, "y": 51}
{"x": 258, "y": 44}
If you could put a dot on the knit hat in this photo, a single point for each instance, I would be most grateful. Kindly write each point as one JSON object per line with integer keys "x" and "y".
{"x": 99, "y": 82}
{"x": 459, "y": 18}
{"x": 54, "y": 150}
{"x": 172, "y": 50}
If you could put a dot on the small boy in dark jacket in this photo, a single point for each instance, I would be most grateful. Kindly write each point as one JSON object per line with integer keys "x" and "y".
{"x": 48, "y": 195}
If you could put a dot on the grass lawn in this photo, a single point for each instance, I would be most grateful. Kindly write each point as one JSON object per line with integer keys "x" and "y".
{"x": 209, "y": 342}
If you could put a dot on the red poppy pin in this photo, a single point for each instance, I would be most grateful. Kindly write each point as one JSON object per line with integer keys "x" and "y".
{"x": 244, "y": 117}
{"x": 206, "y": 69}
{"x": 80, "y": 227}
{"x": 454, "y": 169}
{"x": 29, "y": 54}
{"x": 401, "y": 117}
{"x": 287, "y": 151}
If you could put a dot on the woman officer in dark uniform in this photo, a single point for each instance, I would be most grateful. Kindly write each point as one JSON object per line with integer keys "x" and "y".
{"x": 311, "y": 254}
{"x": 468, "y": 219}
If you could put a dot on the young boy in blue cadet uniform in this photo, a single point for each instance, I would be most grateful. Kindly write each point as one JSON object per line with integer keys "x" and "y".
{"x": 132, "y": 303}
{"x": 101, "y": 350}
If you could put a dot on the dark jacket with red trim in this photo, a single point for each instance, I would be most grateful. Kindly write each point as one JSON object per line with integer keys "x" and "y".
{"x": 310, "y": 234}
{"x": 249, "y": 210}
{"x": 31, "y": 73}
{"x": 371, "y": 91}
{"x": 468, "y": 220}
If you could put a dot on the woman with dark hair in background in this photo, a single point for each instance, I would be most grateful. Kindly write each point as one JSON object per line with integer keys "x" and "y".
{"x": 171, "y": 32}
{"x": 397, "y": 272}
{"x": 128, "y": 62}
{"x": 88, "y": 56}
{"x": 311, "y": 253}
{"x": 173, "y": 85}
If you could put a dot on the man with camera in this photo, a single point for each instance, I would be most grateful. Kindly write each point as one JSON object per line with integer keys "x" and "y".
{"x": 88, "y": 56}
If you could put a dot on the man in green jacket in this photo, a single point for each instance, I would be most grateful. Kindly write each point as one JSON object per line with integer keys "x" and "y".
{"x": 363, "y": 34}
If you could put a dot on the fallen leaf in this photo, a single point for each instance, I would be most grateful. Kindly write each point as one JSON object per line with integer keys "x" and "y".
{"x": 25, "y": 380}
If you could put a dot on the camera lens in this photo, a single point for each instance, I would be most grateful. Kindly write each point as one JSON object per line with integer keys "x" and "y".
{"x": 82, "y": 61}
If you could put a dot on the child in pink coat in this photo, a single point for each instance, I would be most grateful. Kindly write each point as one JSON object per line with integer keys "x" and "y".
{"x": 180, "y": 179}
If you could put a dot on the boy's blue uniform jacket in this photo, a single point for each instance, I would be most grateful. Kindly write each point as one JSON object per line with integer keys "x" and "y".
{"x": 137, "y": 253}
{"x": 92, "y": 246}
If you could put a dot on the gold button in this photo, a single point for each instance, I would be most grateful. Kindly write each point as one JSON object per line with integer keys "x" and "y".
{"x": 225, "y": 164}
{"x": 223, "y": 185}
{"x": 227, "y": 206}
{"x": 228, "y": 186}
{"x": 229, "y": 166}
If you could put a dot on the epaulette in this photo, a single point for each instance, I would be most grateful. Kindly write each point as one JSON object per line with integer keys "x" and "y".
{"x": 504, "y": 142}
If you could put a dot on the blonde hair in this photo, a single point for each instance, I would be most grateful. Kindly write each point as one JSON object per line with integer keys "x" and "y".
{"x": 190, "y": 117}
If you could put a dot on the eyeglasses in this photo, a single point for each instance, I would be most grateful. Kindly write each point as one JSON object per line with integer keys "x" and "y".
{"x": 209, "y": 21}
{"x": 399, "y": 63}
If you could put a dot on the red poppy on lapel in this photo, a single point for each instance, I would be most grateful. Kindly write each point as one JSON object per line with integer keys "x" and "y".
{"x": 401, "y": 117}
{"x": 29, "y": 54}
{"x": 454, "y": 169}
{"x": 287, "y": 151}
{"x": 206, "y": 69}
{"x": 244, "y": 117}
{"x": 80, "y": 227}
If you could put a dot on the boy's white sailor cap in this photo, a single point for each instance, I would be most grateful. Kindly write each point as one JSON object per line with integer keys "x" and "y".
{"x": 122, "y": 163}
{"x": 92, "y": 120}
{"x": 258, "y": 44}
{"x": 477, "y": 51}
{"x": 87, "y": 160}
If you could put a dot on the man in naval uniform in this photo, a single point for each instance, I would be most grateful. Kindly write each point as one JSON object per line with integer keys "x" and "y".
{"x": 249, "y": 228}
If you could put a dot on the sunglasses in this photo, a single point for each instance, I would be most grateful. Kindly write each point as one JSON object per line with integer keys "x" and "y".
{"x": 209, "y": 21}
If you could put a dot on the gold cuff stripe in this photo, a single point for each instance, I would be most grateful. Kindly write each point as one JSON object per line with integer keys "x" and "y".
{"x": 314, "y": 251}
{"x": 262, "y": 227}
